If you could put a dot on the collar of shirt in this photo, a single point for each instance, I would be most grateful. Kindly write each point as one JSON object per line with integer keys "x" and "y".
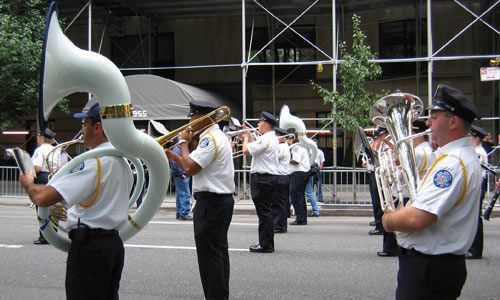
{"x": 213, "y": 127}
{"x": 465, "y": 141}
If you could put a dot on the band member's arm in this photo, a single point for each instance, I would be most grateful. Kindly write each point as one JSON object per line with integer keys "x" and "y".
{"x": 40, "y": 194}
{"x": 407, "y": 219}
{"x": 189, "y": 166}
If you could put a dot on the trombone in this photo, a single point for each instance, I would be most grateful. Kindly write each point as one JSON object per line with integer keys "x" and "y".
{"x": 197, "y": 126}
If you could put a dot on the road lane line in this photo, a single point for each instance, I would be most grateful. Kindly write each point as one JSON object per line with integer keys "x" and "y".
{"x": 10, "y": 246}
{"x": 189, "y": 223}
{"x": 174, "y": 247}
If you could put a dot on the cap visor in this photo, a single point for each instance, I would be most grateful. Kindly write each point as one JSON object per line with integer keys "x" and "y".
{"x": 81, "y": 115}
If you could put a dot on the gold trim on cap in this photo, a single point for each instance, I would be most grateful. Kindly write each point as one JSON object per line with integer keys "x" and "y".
{"x": 116, "y": 111}
{"x": 301, "y": 133}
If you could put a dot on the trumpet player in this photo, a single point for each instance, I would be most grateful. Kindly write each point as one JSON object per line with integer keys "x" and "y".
{"x": 438, "y": 227}
{"x": 212, "y": 170}
{"x": 264, "y": 151}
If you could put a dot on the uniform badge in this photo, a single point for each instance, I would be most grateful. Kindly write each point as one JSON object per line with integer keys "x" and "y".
{"x": 204, "y": 142}
{"x": 79, "y": 167}
{"x": 443, "y": 179}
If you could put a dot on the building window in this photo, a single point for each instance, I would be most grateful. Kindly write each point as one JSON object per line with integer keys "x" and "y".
{"x": 132, "y": 52}
{"x": 288, "y": 47}
{"x": 401, "y": 39}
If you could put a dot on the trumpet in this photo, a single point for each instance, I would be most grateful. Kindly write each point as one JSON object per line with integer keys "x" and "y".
{"x": 235, "y": 133}
{"x": 197, "y": 126}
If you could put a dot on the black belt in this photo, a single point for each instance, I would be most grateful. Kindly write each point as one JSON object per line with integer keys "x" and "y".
{"x": 94, "y": 232}
{"x": 413, "y": 252}
{"x": 208, "y": 194}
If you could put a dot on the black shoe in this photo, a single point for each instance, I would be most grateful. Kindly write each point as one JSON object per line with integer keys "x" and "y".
{"x": 41, "y": 241}
{"x": 186, "y": 218}
{"x": 260, "y": 249}
{"x": 313, "y": 215}
{"x": 385, "y": 254}
{"x": 298, "y": 223}
{"x": 472, "y": 256}
{"x": 373, "y": 223}
{"x": 375, "y": 232}
{"x": 278, "y": 230}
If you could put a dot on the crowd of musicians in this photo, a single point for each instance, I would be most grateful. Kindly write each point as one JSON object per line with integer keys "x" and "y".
{"x": 432, "y": 235}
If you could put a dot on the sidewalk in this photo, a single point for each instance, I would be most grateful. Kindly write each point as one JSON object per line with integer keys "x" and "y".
{"x": 241, "y": 207}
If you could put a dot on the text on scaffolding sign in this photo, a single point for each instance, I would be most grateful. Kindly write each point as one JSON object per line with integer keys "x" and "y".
{"x": 490, "y": 73}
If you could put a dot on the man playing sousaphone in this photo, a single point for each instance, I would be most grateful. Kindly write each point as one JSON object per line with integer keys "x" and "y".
{"x": 96, "y": 193}
{"x": 438, "y": 227}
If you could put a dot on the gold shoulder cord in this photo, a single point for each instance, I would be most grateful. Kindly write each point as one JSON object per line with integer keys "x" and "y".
{"x": 216, "y": 154}
{"x": 97, "y": 186}
{"x": 464, "y": 172}
{"x": 424, "y": 163}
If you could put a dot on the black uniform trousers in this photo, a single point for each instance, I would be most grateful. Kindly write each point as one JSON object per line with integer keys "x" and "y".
{"x": 476, "y": 248}
{"x": 212, "y": 216}
{"x": 298, "y": 183}
{"x": 41, "y": 178}
{"x": 94, "y": 267}
{"x": 280, "y": 206}
{"x": 423, "y": 276}
{"x": 263, "y": 187}
{"x": 377, "y": 208}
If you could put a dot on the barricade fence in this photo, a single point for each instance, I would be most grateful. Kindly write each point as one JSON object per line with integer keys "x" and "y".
{"x": 339, "y": 187}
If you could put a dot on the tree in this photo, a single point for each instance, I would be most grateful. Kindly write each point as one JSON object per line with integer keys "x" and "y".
{"x": 21, "y": 37}
{"x": 352, "y": 103}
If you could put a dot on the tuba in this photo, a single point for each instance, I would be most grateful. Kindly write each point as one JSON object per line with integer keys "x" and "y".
{"x": 397, "y": 172}
{"x": 287, "y": 121}
{"x": 67, "y": 69}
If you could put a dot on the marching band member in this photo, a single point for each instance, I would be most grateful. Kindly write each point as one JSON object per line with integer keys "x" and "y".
{"x": 40, "y": 159}
{"x": 476, "y": 249}
{"x": 212, "y": 170}
{"x": 378, "y": 144}
{"x": 264, "y": 170}
{"x": 281, "y": 206}
{"x": 96, "y": 209}
{"x": 439, "y": 226}
{"x": 298, "y": 181}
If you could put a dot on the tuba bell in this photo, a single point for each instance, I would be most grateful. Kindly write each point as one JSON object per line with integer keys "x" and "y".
{"x": 397, "y": 173}
{"x": 67, "y": 69}
{"x": 287, "y": 121}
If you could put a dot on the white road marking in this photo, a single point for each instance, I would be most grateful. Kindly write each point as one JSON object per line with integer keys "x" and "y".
{"x": 10, "y": 246}
{"x": 174, "y": 247}
{"x": 189, "y": 223}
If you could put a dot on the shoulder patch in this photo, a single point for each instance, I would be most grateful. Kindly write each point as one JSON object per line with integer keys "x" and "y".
{"x": 204, "y": 142}
{"x": 443, "y": 179}
{"x": 78, "y": 168}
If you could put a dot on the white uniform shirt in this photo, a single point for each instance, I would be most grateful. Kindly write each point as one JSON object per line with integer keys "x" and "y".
{"x": 97, "y": 191}
{"x": 284, "y": 159}
{"x": 40, "y": 155}
{"x": 320, "y": 158}
{"x": 300, "y": 155}
{"x": 449, "y": 190}
{"x": 424, "y": 157}
{"x": 264, "y": 152}
{"x": 215, "y": 156}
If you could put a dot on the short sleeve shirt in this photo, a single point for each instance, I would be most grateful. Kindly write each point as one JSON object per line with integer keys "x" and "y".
{"x": 97, "y": 191}
{"x": 449, "y": 190}
{"x": 264, "y": 152}
{"x": 214, "y": 156}
{"x": 40, "y": 155}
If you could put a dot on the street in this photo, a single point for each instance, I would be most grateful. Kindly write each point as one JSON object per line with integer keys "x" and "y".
{"x": 331, "y": 258}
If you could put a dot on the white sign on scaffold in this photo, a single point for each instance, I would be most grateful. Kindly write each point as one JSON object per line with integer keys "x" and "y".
{"x": 490, "y": 73}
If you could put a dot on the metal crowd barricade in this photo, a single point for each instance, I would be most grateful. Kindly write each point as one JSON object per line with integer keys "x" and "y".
{"x": 340, "y": 186}
{"x": 9, "y": 182}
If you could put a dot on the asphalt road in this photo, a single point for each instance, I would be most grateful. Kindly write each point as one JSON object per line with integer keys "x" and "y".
{"x": 331, "y": 258}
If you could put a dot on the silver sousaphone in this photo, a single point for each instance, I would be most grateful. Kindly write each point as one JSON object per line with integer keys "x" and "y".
{"x": 66, "y": 69}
